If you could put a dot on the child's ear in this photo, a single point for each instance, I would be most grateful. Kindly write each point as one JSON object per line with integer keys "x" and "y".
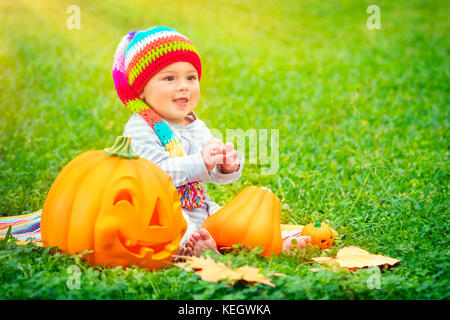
{"x": 141, "y": 95}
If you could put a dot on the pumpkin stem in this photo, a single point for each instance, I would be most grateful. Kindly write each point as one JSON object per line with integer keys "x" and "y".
{"x": 121, "y": 149}
{"x": 317, "y": 225}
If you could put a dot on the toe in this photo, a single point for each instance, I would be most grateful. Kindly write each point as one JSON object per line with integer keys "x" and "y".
{"x": 195, "y": 236}
{"x": 204, "y": 234}
{"x": 301, "y": 243}
{"x": 307, "y": 239}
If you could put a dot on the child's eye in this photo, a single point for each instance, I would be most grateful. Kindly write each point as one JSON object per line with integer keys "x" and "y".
{"x": 169, "y": 78}
{"x": 192, "y": 78}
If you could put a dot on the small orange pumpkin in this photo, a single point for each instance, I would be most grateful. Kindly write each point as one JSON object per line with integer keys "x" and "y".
{"x": 124, "y": 208}
{"x": 252, "y": 218}
{"x": 320, "y": 233}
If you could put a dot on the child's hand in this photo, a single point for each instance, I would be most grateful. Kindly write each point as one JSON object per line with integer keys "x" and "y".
{"x": 230, "y": 162}
{"x": 213, "y": 153}
{"x": 216, "y": 151}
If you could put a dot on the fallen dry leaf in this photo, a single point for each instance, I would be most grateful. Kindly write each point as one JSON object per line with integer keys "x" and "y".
{"x": 354, "y": 258}
{"x": 324, "y": 259}
{"x": 195, "y": 263}
{"x": 327, "y": 264}
{"x": 217, "y": 273}
{"x": 210, "y": 270}
{"x": 251, "y": 274}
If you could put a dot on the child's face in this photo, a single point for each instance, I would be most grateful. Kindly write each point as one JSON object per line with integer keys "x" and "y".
{"x": 164, "y": 90}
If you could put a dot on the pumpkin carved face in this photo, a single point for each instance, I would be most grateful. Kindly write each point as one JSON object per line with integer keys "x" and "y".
{"x": 321, "y": 234}
{"x": 124, "y": 208}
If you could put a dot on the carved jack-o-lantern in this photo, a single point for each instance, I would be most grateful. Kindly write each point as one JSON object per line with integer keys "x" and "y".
{"x": 124, "y": 208}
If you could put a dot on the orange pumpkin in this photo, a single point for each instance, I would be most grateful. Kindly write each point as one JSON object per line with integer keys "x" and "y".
{"x": 124, "y": 208}
{"x": 320, "y": 233}
{"x": 252, "y": 218}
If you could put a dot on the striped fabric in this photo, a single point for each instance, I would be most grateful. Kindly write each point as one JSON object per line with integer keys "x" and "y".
{"x": 290, "y": 230}
{"x": 25, "y": 227}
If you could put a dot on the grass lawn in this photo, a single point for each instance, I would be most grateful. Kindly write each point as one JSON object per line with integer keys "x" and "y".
{"x": 376, "y": 170}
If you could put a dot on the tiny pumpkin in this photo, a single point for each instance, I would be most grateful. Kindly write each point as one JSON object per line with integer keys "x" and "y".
{"x": 124, "y": 208}
{"x": 320, "y": 233}
{"x": 252, "y": 218}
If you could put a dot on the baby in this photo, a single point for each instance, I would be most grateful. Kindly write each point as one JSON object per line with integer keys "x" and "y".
{"x": 157, "y": 75}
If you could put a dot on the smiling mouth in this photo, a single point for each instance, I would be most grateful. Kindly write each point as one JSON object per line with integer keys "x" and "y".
{"x": 181, "y": 101}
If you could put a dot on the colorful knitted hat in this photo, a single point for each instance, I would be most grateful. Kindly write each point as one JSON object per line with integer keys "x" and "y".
{"x": 139, "y": 56}
{"x": 142, "y": 54}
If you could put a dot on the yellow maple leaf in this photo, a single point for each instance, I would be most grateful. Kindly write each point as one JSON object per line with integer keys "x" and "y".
{"x": 328, "y": 263}
{"x": 194, "y": 263}
{"x": 324, "y": 260}
{"x": 251, "y": 274}
{"x": 215, "y": 273}
{"x": 354, "y": 258}
{"x": 210, "y": 270}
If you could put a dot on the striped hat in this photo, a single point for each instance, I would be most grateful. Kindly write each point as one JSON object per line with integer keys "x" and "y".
{"x": 142, "y": 54}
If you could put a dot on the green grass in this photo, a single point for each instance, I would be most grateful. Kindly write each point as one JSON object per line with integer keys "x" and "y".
{"x": 376, "y": 170}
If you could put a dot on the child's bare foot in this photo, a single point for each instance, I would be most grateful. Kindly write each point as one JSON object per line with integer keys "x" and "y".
{"x": 199, "y": 242}
{"x": 301, "y": 243}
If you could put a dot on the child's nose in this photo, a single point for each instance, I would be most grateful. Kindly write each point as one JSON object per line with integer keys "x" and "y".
{"x": 182, "y": 85}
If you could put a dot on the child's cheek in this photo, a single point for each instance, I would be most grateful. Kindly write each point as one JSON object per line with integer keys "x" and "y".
{"x": 196, "y": 94}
